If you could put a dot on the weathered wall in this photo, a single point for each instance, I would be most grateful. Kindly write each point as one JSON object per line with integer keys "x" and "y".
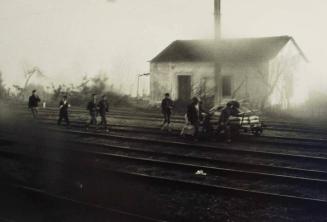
{"x": 286, "y": 67}
{"x": 160, "y": 81}
{"x": 245, "y": 84}
{"x": 164, "y": 77}
{"x": 247, "y": 80}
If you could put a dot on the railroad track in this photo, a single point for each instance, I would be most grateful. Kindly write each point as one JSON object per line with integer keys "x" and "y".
{"x": 199, "y": 151}
{"x": 271, "y": 126}
{"x": 203, "y": 147}
{"x": 156, "y": 114}
{"x": 126, "y": 114}
{"x": 213, "y": 147}
{"x": 190, "y": 164}
{"x": 185, "y": 181}
{"x": 263, "y": 139}
{"x": 297, "y": 185}
{"x": 55, "y": 197}
{"x": 51, "y": 116}
{"x": 219, "y": 148}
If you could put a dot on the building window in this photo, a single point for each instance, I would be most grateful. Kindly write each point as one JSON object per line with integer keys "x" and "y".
{"x": 227, "y": 85}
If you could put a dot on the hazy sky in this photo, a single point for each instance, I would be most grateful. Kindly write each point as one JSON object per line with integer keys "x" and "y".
{"x": 70, "y": 38}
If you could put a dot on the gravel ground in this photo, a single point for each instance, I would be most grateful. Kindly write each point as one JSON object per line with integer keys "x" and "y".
{"x": 217, "y": 154}
{"x": 167, "y": 201}
{"x": 78, "y": 116}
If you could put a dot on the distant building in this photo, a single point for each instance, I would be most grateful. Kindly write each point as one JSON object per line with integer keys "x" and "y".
{"x": 257, "y": 69}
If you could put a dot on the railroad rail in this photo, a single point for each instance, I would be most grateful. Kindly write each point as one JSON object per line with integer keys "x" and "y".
{"x": 298, "y": 185}
{"x": 189, "y": 163}
{"x": 113, "y": 213}
{"x": 270, "y": 126}
{"x": 196, "y": 184}
{"x": 128, "y": 114}
{"x": 280, "y": 140}
{"x": 137, "y": 144}
{"x": 288, "y": 175}
{"x": 213, "y": 147}
{"x": 220, "y": 148}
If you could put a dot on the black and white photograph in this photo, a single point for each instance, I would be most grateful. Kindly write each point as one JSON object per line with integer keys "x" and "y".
{"x": 163, "y": 110}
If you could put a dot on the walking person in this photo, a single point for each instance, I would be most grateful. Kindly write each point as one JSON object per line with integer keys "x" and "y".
{"x": 33, "y": 103}
{"x": 92, "y": 107}
{"x": 63, "y": 111}
{"x": 194, "y": 114}
{"x": 103, "y": 109}
{"x": 166, "y": 108}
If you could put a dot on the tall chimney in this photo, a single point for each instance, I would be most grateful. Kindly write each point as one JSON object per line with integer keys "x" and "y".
{"x": 217, "y": 65}
{"x": 217, "y": 21}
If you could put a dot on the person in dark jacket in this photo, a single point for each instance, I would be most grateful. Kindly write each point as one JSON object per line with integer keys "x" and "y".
{"x": 166, "y": 107}
{"x": 194, "y": 113}
{"x": 103, "y": 109}
{"x": 33, "y": 103}
{"x": 231, "y": 109}
{"x": 92, "y": 107}
{"x": 63, "y": 111}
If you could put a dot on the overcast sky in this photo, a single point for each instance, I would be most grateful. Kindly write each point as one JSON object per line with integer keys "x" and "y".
{"x": 70, "y": 38}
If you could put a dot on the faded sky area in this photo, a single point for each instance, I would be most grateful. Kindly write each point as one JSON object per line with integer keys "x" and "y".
{"x": 69, "y": 39}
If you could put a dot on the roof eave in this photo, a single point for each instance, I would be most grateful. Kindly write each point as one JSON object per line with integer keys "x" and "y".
{"x": 300, "y": 50}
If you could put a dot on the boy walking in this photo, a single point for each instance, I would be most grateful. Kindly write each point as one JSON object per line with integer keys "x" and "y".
{"x": 166, "y": 107}
{"x": 63, "y": 111}
{"x": 33, "y": 103}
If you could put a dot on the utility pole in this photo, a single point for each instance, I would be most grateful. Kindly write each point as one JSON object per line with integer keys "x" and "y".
{"x": 217, "y": 42}
{"x": 138, "y": 86}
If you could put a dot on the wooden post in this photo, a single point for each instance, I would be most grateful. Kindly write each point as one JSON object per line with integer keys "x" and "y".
{"x": 138, "y": 85}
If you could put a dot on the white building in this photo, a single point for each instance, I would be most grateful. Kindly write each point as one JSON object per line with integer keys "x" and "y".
{"x": 260, "y": 70}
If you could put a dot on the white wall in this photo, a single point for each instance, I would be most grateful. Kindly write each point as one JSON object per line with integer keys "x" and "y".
{"x": 247, "y": 80}
{"x": 164, "y": 77}
{"x": 244, "y": 76}
{"x": 291, "y": 66}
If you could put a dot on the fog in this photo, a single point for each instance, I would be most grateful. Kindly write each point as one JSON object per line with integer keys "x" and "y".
{"x": 70, "y": 39}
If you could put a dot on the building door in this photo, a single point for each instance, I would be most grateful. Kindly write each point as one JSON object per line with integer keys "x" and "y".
{"x": 184, "y": 87}
{"x": 227, "y": 86}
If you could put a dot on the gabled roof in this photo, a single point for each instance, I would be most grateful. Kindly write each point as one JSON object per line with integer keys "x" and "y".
{"x": 264, "y": 48}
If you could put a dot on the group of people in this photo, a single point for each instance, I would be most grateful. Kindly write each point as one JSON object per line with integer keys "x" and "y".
{"x": 194, "y": 115}
{"x": 194, "y": 112}
{"x": 98, "y": 108}
{"x": 95, "y": 108}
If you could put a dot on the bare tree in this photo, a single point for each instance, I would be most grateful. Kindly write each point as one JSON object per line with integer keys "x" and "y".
{"x": 239, "y": 87}
{"x": 35, "y": 71}
{"x": 279, "y": 79}
{"x": 3, "y": 90}
{"x": 56, "y": 92}
{"x": 22, "y": 91}
{"x": 205, "y": 93}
